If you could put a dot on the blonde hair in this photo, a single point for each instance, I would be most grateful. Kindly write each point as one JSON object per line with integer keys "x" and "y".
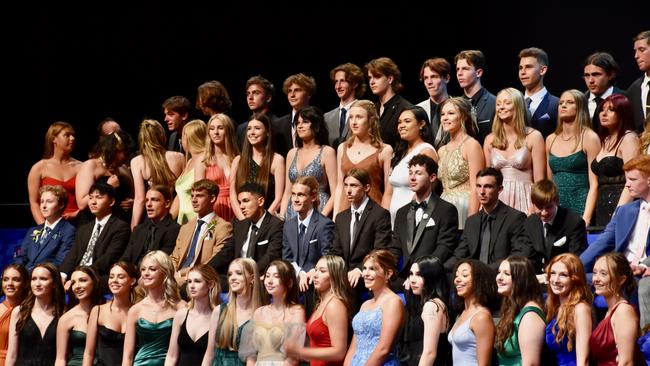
{"x": 582, "y": 115}
{"x": 170, "y": 286}
{"x": 227, "y": 336}
{"x": 373, "y": 123}
{"x": 196, "y": 134}
{"x": 152, "y": 141}
{"x": 231, "y": 148}
{"x": 500, "y": 140}
{"x": 339, "y": 281}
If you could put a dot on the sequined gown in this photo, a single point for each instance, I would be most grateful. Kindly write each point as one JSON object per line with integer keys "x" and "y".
{"x": 453, "y": 172}
{"x": 313, "y": 169}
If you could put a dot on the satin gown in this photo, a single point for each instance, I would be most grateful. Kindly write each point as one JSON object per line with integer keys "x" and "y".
{"x": 153, "y": 342}
{"x": 34, "y": 350}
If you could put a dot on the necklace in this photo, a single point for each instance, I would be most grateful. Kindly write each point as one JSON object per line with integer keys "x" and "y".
{"x": 566, "y": 138}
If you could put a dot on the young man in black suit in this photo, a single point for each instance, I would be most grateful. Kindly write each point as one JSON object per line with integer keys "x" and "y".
{"x": 600, "y": 72}
{"x": 428, "y": 225}
{"x": 552, "y": 229}
{"x": 159, "y": 232}
{"x": 361, "y": 228}
{"x": 101, "y": 242}
{"x": 258, "y": 236}
{"x": 469, "y": 71}
{"x": 489, "y": 234}
{"x": 177, "y": 111}
{"x": 639, "y": 91}
{"x": 259, "y": 96}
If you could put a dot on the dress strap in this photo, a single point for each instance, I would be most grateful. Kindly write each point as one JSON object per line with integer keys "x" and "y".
{"x": 582, "y": 138}
{"x": 552, "y": 142}
{"x": 618, "y": 145}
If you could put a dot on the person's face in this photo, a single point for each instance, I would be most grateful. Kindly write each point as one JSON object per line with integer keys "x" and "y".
{"x": 547, "y": 212}
{"x": 602, "y": 279}
{"x": 50, "y": 206}
{"x": 463, "y": 281}
{"x": 596, "y": 79}
{"x": 505, "y": 107}
{"x": 197, "y": 286}
{"x": 100, "y": 204}
{"x": 273, "y": 282}
{"x": 415, "y": 280}
{"x": 642, "y": 54}
{"x": 467, "y": 74}
{"x": 504, "y": 279}
{"x": 560, "y": 279}
{"x": 608, "y": 117}
{"x": 202, "y": 201}
{"x": 373, "y": 275}
{"x": 12, "y": 283}
{"x": 487, "y": 190}
{"x": 237, "y": 279}
{"x": 65, "y": 140}
{"x": 567, "y": 108}
{"x": 82, "y": 285}
{"x": 119, "y": 281}
{"x": 256, "y": 132}
{"x": 321, "y": 277}
{"x": 303, "y": 129}
{"x": 174, "y": 120}
{"x": 637, "y": 183}
{"x": 379, "y": 84}
{"x": 408, "y": 126}
{"x": 419, "y": 179}
{"x": 151, "y": 273}
{"x": 42, "y": 282}
{"x": 297, "y": 96}
{"x": 359, "y": 121}
{"x": 451, "y": 118}
{"x": 530, "y": 71}
{"x": 250, "y": 204}
{"x": 156, "y": 205}
{"x": 354, "y": 190}
{"x": 301, "y": 198}
{"x": 256, "y": 98}
{"x": 217, "y": 132}
{"x": 342, "y": 87}
{"x": 436, "y": 85}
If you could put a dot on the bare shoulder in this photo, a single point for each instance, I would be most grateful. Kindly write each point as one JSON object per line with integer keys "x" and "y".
{"x": 329, "y": 151}
{"x": 534, "y": 136}
{"x": 386, "y": 151}
{"x": 277, "y": 159}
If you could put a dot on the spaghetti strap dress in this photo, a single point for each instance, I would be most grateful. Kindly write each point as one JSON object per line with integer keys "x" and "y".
{"x": 611, "y": 182}
{"x": 190, "y": 351}
{"x": 183, "y": 192}
{"x": 517, "y": 172}
{"x": 4, "y": 332}
{"x": 571, "y": 178}
{"x": 313, "y": 169}
{"x": 110, "y": 345}
{"x": 370, "y": 164}
{"x": 222, "y": 204}
{"x": 34, "y": 350}
{"x": 153, "y": 341}
{"x": 453, "y": 173}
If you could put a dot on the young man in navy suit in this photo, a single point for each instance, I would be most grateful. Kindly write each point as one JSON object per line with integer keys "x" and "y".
{"x": 628, "y": 231}
{"x": 469, "y": 70}
{"x": 307, "y": 236}
{"x": 51, "y": 240}
{"x": 542, "y": 105}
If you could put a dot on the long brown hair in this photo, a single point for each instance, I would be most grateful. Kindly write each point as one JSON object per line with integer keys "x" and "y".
{"x": 565, "y": 326}
{"x": 525, "y": 288}
{"x": 58, "y": 297}
{"x": 24, "y": 276}
{"x": 244, "y": 167}
{"x": 582, "y": 115}
{"x": 373, "y": 123}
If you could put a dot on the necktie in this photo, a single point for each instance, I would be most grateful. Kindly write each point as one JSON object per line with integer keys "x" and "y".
{"x": 485, "y": 238}
{"x": 252, "y": 235}
{"x": 643, "y": 225}
{"x": 151, "y": 240}
{"x": 293, "y": 129}
{"x": 528, "y": 102}
{"x": 301, "y": 235}
{"x": 547, "y": 226}
{"x": 44, "y": 236}
{"x": 342, "y": 120}
{"x": 87, "y": 258}
{"x": 647, "y": 102}
{"x": 195, "y": 239}
{"x": 355, "y": 229}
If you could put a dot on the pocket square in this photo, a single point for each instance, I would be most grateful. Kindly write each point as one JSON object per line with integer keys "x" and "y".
{"x": 483, "y": 121}
{"x": 263, "y": 242}
{"x": 560, "y": 242}
{"x": 430, "y": 223}
{"x": 545, "y": 116}
{"x": 313, "y": 241}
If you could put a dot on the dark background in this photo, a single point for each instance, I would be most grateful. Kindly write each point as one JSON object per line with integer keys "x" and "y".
{"x": 80, "y": 64}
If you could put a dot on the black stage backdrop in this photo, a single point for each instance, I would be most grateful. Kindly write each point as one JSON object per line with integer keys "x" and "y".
{"x": 81, "y": 64}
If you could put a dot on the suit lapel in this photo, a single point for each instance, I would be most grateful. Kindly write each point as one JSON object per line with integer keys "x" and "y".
{"x": 410, "y": 228}
{"x": 304, "y": 249}
{"x": 362, "y": 221}
{"x": 47, "y": 240}
{"x": 541, "y": 108}
{"x": 241, "y": 235}
{"x": 423, "y": 223}
{"x": 252, "y": 246}
{"x": 496, "y": 226}
{"x": 346, "y": 216}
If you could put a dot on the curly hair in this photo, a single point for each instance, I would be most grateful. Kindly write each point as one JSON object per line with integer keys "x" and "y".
{"x": 170, "y": 286}
{"x": 483, "y": 284}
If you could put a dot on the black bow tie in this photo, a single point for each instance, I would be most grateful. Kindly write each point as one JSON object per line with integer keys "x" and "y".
{"x": 422, "y": 205}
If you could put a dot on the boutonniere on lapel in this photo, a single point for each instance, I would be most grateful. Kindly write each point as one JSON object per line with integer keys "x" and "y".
{"x": 210, "y": 229}
{"x": 55, "y": 236}
{"x": 36, "y": 234}
{"x": 425, "y": 216}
